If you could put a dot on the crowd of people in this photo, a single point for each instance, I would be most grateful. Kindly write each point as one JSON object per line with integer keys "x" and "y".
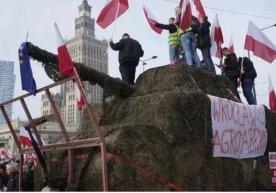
{"x": 240, "y": 71}
{"x": 9, "y": 176}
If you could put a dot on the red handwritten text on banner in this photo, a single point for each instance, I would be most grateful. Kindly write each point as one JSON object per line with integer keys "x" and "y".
{"x": 238, "y": 129}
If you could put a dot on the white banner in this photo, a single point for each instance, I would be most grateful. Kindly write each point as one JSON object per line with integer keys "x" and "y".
{"x": 238, "y": 129}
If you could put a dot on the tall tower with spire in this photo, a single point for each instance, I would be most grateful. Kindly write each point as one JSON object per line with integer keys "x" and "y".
{"x": 84, "y": 24}
{"x": 86, "y": 49}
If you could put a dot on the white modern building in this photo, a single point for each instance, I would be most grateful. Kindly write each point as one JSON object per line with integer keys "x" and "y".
{"x": 7, "y": 81}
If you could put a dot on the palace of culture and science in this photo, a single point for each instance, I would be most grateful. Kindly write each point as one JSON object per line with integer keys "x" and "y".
{"x": 83, "y": 48}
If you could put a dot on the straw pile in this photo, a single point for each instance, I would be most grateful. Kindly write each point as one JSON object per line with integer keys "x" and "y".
{"x": 165, "y": 127}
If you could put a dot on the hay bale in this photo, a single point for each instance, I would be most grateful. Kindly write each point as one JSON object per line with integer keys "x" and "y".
{"x": 165, "y": 126}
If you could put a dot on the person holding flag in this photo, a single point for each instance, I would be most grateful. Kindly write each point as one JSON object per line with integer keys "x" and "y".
{"x": 187, "y": 35}
{"x": 173, "y": 39}
{"x": 231, "y": 69}
{"x": 130, "y": 51}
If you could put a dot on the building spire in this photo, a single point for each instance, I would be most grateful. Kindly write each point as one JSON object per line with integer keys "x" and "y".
{"x": 85, "y": 9}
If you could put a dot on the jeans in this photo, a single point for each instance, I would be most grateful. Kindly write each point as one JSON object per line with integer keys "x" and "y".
{"x": 247, "y": 85}
{"x": 174, "y": 53}
{"x": 206, "y": 54}
{"x": 188, "y": 41}
{"x": 128, "y": 70}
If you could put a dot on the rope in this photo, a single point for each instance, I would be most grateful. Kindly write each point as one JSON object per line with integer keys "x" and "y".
{"x": 134, "y": 165}
{"x": 144, "y": 171}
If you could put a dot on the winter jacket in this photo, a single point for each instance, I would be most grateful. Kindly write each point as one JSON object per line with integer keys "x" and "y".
{"x": 204, "y": 38}
{"x": 232, "y": 67}
{"x": 171, "y": 27}
{"x": 130, "y": 50}
{"x": 28, "y": 179}
{"x": 173, "y": 38}
{"x": 248, "y": 68}
{"x": 13, "y": 182}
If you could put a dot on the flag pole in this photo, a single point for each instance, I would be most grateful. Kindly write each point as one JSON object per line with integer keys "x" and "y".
{"x": 118, "y": 7}
{"x": 270, "y": 83}
{"x": 269, "y": 27}
{"x": 27, "y": 36}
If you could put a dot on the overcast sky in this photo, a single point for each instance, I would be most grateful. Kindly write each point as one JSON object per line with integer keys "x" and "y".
{"x": 17, "y": 17}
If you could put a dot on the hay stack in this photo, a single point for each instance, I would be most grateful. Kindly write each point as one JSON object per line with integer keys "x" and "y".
{"x": 165, "y": 126}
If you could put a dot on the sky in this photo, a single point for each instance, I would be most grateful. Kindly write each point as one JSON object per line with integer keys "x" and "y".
{"x": 37, "y": 17}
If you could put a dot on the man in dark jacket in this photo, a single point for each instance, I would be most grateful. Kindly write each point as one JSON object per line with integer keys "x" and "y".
{"x": 130, "y": 51}
{"x": 3, "y": 177}
{"x": 28, "y": 177}
{"x": 204, "y": 43}
{"x": 247, "y": 79}
{"x": 173, "y": 39}
{"x": 231, "y": 69}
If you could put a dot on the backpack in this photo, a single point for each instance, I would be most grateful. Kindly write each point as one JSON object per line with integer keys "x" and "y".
{"x": 195, "y": 25}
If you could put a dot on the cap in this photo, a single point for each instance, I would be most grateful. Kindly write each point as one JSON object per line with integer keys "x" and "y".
{"x": 126, "y": 35}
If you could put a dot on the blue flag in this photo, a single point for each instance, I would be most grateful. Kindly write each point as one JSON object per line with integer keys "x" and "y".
{"x": 27, "y": 79}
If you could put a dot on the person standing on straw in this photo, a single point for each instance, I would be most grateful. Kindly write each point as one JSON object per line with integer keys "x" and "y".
{"x": 130, "y": 52}
{"x": 173, "y": 39}
{"x": 231, "y": 69}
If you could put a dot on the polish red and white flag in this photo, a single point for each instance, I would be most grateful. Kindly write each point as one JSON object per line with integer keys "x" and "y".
{"x": 257, "y": 42}
{"x": 111, "y": 11}
{"x": 64, "y": 59}
{"x": 24, "y": 137}
{"x": 216, "y": 39}
{"x": 272, "y": 95}
{"x": 150, "y": 17}
{"x": 231, "y": 45}
{"x": 80, "y": 100}
{"x": 185, "y": 19}
{"x": 66, "y": 66}
{"x": 198, "y": 10}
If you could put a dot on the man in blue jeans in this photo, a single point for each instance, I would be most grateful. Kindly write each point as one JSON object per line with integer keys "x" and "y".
{"x": 188, "y": 41}
{"x": 173, "y": 39}
{"x": 204, "y": 43}
{"x": 247, "y": 79}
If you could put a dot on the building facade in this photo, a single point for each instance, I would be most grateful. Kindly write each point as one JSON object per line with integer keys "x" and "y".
{"x": 84, "y": 48}
{"x": 50, "y": 132}
{"x": 45, "y": 104}
{"x": 7, "y": 82}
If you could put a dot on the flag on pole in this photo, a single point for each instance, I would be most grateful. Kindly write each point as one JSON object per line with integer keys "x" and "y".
{"x": 24, "y": 137}
{"x": 272, "y": 95}
{"x": 80, "y": 101}
{"x": 150, "y": 17}
{"x": 64, "y": 60}
{"x": 257, "y": 42}
{"x": 27, "y": 79}
{"x": 199, "y": 10}
{"x": 111, "y": 11}
{"x": 216, "y": 39}
{"x": 66, "y": 65}
{"x": 231, "y": 45}
{"x": 185, "y": 20}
